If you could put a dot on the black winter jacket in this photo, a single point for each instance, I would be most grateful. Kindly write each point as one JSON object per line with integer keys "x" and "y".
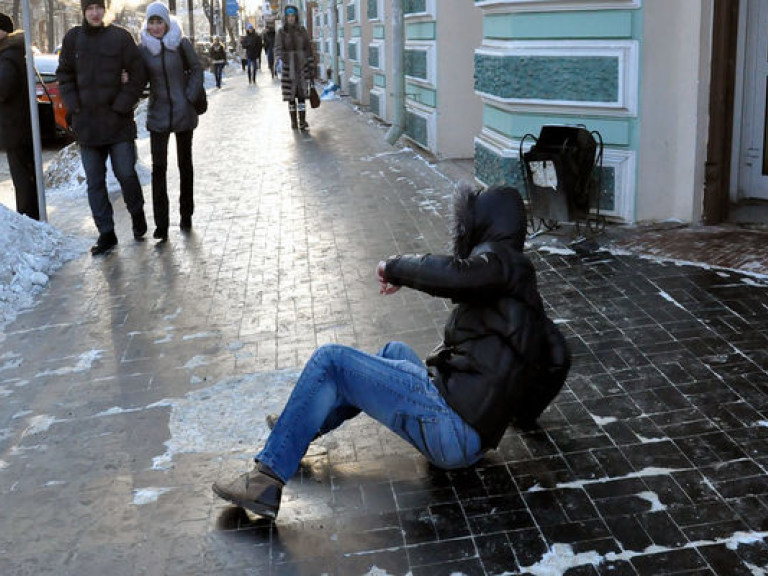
{"x": 89, "y": 74}
{"x": 502, "y": 359}
{"x": 171, "y": 88}
{"x": 15, "y": 125}
{"x": 253, "y": 44}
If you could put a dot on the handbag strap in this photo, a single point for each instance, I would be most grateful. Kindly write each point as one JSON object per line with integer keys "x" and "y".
{"x": 184, "y": 58}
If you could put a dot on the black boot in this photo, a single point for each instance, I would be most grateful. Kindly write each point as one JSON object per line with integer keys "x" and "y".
{"x": 186, "y": 223}
{"x": 139, "y": 225}
{"x": 161, "y": 234}
{"x": 105, "y": 243}
{"x": 294, "y": 121}
{"x": 303, "y": 120}
{"x": 257, "y": 491}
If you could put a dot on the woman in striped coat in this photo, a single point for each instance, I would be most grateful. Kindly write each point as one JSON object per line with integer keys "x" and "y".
{"x": 295, "y": 61}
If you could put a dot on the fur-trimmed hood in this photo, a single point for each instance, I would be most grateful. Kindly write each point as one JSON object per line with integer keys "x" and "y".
{"x": 13, "y": 40}
{"x": 494, "y": 215}
{"x": 171, "y": 40}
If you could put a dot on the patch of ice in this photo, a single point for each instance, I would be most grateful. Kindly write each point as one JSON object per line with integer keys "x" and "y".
{"x": 557, "y": 250}
{"x": 146, "y": 495}
{"x": 645, "y": 440}
{"x": 37, "y": 424}
{"x": 603, "y": 420}
{"x": 173, "y": 315}
{"x": 559, "y": 559}
{"x": 10, "y": 361}
{"x": 669, "y": 298}
{"x": 228, "y": 417}
{"x": 198, "y": 335}
{"x": 653, "y": 498}
{"x": 84, "y": 363}
{"x": 195, "y": 362}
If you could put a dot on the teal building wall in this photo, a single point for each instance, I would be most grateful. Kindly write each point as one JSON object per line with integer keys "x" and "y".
{"x": 565, "y": 62}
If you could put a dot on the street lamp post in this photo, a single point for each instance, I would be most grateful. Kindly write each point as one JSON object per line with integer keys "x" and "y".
{"x": 34, "y": 117}
{"x": 191, "y": 16}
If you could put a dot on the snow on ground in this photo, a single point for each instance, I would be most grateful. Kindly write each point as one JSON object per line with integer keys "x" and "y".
{"x": 30, "y": 251}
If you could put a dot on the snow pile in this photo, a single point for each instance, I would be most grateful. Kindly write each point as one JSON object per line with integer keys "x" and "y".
{"x": 30, "y": 251}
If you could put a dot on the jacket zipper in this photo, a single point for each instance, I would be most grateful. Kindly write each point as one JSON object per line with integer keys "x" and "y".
{"x": 167, "y": 86}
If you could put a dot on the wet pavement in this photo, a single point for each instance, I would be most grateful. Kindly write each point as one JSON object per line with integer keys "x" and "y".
{"x": 140, "y": 378}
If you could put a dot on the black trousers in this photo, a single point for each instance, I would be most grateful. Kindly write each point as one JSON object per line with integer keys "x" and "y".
{"x": 21, "y": 161}
{"x": 159, "y": 146}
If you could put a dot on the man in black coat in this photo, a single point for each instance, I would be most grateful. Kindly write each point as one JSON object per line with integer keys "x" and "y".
{"x": 15, "y": 124}
{"x": 252, "y": 44}
{"x": 502, "y": 360}
{"x": 90, "y": 73}
{"x": 269, "y": 47}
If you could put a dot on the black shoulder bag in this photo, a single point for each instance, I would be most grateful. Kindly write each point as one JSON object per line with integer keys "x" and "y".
{"x": 200, "y": 103}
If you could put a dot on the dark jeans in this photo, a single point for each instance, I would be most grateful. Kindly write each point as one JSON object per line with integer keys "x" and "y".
{"x": 253, "y": 66}
{"x": 21, "y": 161}
{"x": 218, "y": 70}
{"x": 123, "y": 158}
{"x": 159, "y": 147}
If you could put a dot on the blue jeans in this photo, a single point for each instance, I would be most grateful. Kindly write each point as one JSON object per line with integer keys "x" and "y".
{"x": 218, "y": 71}
{"x": 123, "y": 158}
{"x": 393, "y": 387}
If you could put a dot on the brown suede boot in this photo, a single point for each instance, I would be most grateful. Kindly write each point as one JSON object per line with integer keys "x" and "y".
{"x": 256, "y": 491}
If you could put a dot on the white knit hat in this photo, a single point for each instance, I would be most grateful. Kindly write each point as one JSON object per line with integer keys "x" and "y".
{"x": 160, "y": 10}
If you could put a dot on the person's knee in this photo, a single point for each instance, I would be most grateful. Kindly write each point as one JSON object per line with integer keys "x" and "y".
{"x": 395, "y": 348}
{"x": 328, "y": 354}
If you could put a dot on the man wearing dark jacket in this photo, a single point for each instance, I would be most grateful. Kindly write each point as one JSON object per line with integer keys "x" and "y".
{"x": 90, "y": 74}
{"x": 252, "y": 44}
{"x": 15, "y": 124}
{"x": 502, "y": 359}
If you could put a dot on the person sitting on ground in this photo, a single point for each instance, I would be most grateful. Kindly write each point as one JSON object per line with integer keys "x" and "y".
{"x": 502, "y": 359}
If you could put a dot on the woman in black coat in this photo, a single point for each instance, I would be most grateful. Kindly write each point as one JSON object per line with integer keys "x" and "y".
{"x": 293, "y": 53}
{"x": 168, "y": 54}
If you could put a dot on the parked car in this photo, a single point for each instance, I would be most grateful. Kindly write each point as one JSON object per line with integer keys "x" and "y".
{"x": 47, "y": 90}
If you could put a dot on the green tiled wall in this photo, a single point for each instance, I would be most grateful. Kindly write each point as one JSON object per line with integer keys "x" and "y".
{"x": 579, "y": 79}
{"x": 416, "y": 128}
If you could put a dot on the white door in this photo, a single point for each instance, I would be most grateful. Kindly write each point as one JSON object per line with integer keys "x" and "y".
{"x": 753, "y": 164}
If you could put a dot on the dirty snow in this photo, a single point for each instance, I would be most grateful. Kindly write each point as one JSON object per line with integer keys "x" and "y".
{"x": 147, "y": 495}
{"x": 226, "y": 418}
{"x": 30, "y": 252}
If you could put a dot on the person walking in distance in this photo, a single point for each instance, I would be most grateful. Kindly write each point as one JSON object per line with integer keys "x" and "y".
{"x": 253, "y": 45}
{"x": 501, "y": 362}
{"x": 100, "y": 102}
{"x": 269, "y": 47}
{"x": 175, "y": 77}
{"x": 218, "y": 59}
{"x": 15, "y": 124}
{"x": 296, "y": 66}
